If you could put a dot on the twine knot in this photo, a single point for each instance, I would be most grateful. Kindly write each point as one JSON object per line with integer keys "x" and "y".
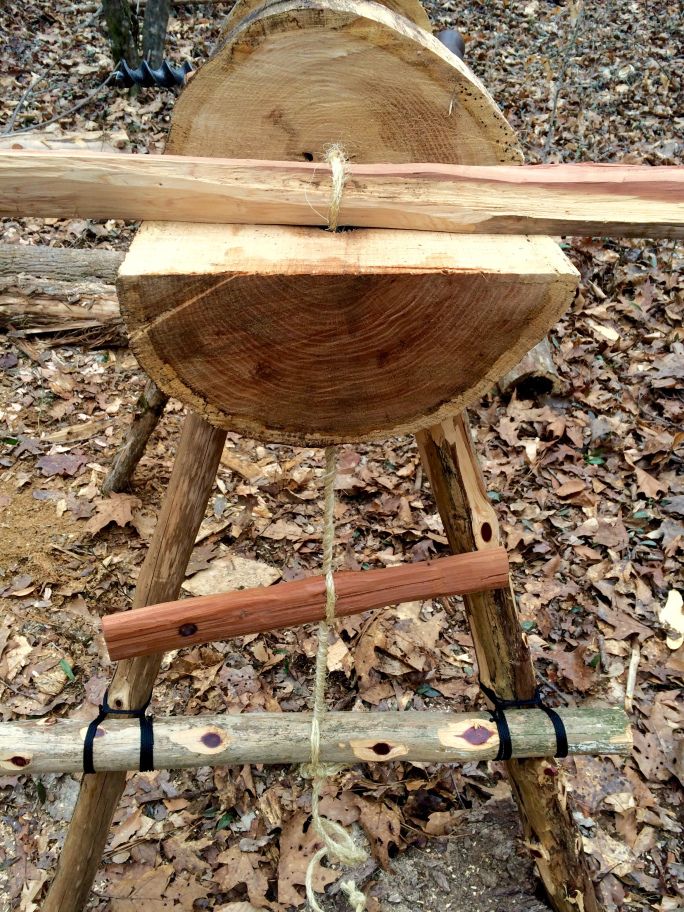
{"x": 338, "y": 166}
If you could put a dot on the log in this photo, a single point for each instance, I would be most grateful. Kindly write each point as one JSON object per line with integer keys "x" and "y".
{"x": 59, "y": 263}
{"x": 410, "y": 9}
{"x": 160, "y": 628}
{"x": 79, "y": 310}
{"x": 505, "y": 665}
{"x": 534, "y": 375}
{"x": 95, "y": 141}
{"x": 575, "y": 199}
{"x": 56, "y": 746}
{"x": 298, "y": 75}
{"x": 160, "y": 579}
{"x": 306, "y": 337}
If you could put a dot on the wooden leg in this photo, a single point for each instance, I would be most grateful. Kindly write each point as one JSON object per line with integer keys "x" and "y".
{"x": 505, "y": 664}
{"x": 160, "y": 580}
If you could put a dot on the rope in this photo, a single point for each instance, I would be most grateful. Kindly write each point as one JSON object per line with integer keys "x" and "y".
{"x": 337, "y": 842}
{"x": 338, "y": 165}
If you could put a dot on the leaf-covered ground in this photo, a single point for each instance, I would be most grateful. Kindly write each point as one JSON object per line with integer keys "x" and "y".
{"x": 588, "y": 484}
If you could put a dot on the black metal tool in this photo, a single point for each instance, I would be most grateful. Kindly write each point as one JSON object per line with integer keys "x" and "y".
{"x": 164, "y": 77}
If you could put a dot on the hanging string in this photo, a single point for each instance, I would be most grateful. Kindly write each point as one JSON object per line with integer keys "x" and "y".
{"x": 338, "y": 844}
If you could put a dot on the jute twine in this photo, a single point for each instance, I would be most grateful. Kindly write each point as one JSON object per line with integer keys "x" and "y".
{"x": 338, "y": 844}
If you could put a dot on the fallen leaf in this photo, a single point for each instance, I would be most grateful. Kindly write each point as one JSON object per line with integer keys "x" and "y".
{"x": 573, "y": 667}
{"x": 227, "y": 574}
{"x": 570, "y": 487}
{"x": 672, "y": 617}
{"x": 61, "y": 464}
{"x": 238, "y": 868}
{"x": 649, "y": 485}
{"x": 117, "y": 508}
{"x": 298, "y": 843}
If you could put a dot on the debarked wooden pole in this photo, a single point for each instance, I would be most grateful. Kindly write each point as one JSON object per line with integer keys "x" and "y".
{"x": 581, "y": 199}
{"x": 172, "y": 625}
{"x": 56, "y": 746}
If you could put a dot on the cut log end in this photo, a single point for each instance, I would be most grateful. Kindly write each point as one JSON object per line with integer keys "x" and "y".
{"x": 299, "y": 336}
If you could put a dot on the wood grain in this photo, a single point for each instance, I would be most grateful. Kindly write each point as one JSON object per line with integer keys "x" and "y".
{"x": 298, "y": 75}
{"x": 505, "y": 664}
{"x": 306, "y": 337}
{"x": 159, "y": 628}
{"x": 578, "y": 199}
{"x": 160, "y": 579}
{"x": 56, "y": 746}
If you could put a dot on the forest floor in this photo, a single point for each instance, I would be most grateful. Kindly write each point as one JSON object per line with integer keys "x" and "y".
{"x": 588, "y": 485}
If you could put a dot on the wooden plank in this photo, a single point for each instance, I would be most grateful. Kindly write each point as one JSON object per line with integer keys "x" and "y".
{"x": 575, "y": 199}
{"x": 160, "y": 628}
{"x": 346, "y": 737}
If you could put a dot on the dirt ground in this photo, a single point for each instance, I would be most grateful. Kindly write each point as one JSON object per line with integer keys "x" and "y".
{"x": 588, "y": 485}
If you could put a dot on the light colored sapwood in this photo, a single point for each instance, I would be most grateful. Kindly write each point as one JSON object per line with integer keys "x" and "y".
{"x": 589, "y": 200}
{"x": 56, "y": 746}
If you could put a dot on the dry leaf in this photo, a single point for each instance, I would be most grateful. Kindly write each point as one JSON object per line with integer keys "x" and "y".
{"x": 227, "y": 574}
{"x": 649, "y": 485}
{"x": 298, "y": 843}
{"x": 672, "y": 617}
{"x": 117, "y": 508}
{"x": 238, "y": 868}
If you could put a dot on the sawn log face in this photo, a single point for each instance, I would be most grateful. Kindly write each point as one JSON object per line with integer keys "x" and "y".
{"x": 300, "y": 336}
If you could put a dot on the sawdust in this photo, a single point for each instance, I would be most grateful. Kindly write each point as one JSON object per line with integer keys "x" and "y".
{"x": 31, "y": 532}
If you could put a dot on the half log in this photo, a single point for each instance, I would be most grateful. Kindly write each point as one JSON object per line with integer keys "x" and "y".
{"x": 575, "y": 199}
{"x": 56, "y": 745}
{"x": 172, "y": 625}
{"x": 305, "y": 337}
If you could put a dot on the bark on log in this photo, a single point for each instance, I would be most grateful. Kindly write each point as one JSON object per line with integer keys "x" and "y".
{"x": 346, "y": 737}
{"x": 535, "y": 375}
{"x": 85, "y": 312}
{"x": 160, "y": 580}
{"x": 505, "y": 664}
{"x": 582, "y": 199}
{"x": 410, "y": 9}
{"x": 160, "y": 628}
{"x": 59, "y": 263}
{"x": 149, "y": 409}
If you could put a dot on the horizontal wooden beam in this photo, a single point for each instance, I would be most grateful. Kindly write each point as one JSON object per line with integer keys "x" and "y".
{"x": 576, "y": 199}
{"x": 172, "y": 625}
{"x": 56, "y": 745}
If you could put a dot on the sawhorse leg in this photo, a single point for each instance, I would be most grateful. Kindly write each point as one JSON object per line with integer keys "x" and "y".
{"x": 160, "y": 580}
{"x": 505, "y": 664}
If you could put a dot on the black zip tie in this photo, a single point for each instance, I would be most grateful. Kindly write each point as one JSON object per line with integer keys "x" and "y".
{"x": 146, "y": 734}
{"x": 499, "y": 717}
